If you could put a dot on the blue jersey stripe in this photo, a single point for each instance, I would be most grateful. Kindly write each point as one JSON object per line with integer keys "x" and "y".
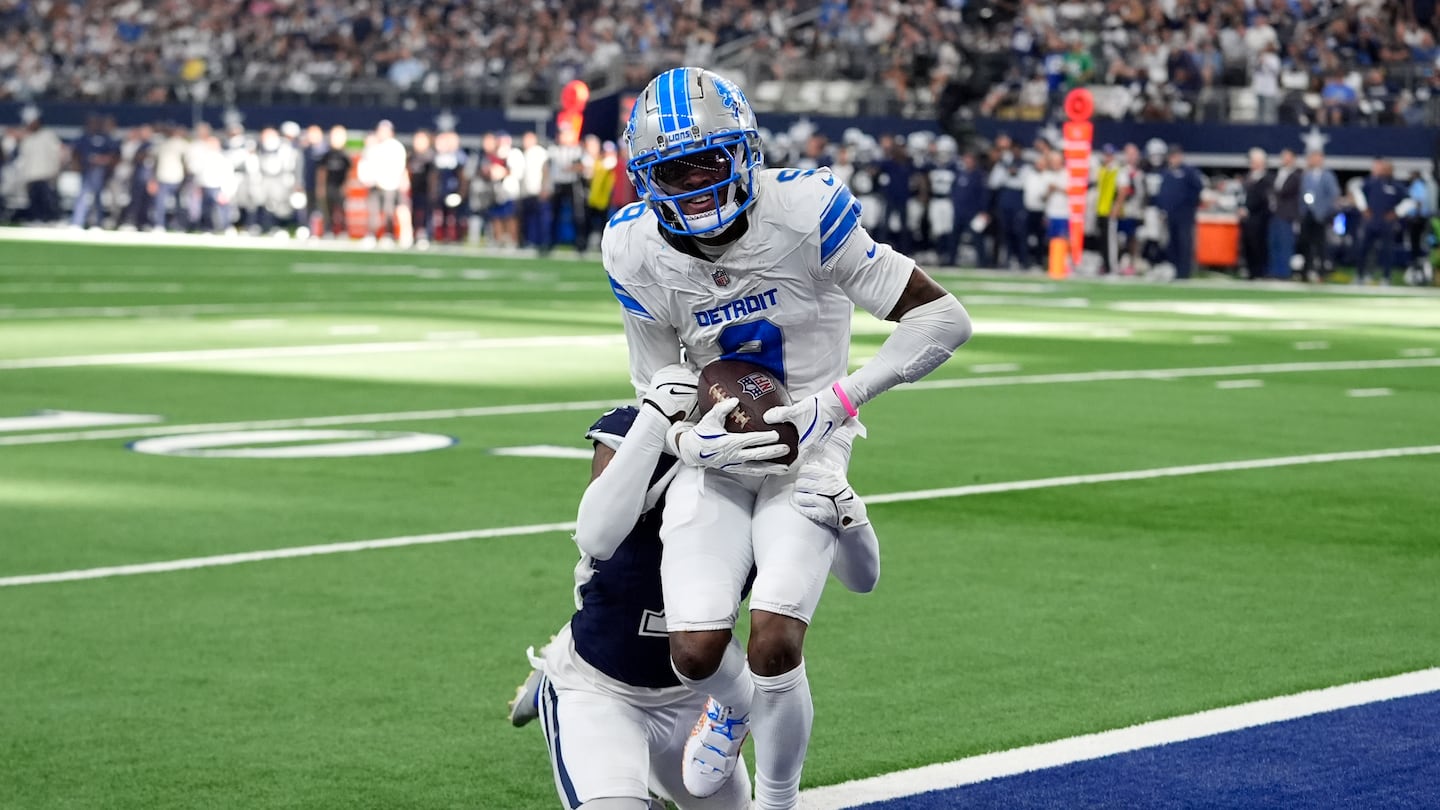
{"x": 565, "y": 782}
{"x": 836, "y": 238}
{"x": 835, "y": 209}
{"x": 628, "y": 301}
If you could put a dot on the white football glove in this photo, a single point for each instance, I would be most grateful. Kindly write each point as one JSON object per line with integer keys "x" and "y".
{"x": 709, "y": 444}
{"x": 815, "y": 417}
{"x": 824, "y": 495}
{"x": 672, "y": 391}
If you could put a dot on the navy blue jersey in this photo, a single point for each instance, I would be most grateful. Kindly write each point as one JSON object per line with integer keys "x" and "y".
{"x": 1179, "y": 194}
{"x": 449, "y": 167}
{"x": 312, "y": 155}
{"x": 942, "y": 177}
{"x": 1383, "y": 194}
{"x": 972, "y": 192}
{"x": 92, "y": 150}
{"x": 895, "y": 180}
{"x": 620, "y": 626}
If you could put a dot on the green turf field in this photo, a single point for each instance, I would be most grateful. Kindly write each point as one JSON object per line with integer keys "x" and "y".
{"x": 379, "y": 679}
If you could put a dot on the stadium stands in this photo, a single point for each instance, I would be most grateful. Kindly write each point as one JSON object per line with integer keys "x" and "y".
{"x": 1307, "y": 62}
{"x": 1330, "y": 61}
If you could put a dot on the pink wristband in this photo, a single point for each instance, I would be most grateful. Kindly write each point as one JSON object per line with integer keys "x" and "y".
{"x": 850, "y": 410}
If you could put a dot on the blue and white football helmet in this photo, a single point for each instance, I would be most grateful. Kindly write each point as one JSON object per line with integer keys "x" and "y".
{"x": 694, "y": 151}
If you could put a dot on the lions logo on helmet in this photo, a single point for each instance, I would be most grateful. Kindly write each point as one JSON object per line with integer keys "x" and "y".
{"x": 694, "y": 151}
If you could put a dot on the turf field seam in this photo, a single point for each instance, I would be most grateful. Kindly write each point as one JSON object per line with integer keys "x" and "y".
{"x": 542, "y": 528}
{"x": 983, "y": 767}
{"x": 1064, "y": 378}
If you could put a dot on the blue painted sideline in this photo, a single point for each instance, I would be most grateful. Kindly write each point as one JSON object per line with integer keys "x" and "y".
{"x": 1379, "y": 755}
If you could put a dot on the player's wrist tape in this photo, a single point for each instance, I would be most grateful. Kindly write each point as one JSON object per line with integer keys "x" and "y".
{"x": 850, "y": 410}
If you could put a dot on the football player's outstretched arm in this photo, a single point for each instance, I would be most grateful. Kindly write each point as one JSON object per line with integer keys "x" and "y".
{"x": 620, "y": 479}
{"x": 932, "y": 325}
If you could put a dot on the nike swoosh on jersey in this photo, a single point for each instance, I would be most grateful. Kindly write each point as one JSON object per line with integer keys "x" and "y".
{"x": 870, "y": 254}
{"x": 829, "y": 180}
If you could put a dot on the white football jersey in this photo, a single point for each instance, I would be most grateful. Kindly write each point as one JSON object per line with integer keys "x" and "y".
{"x": 780, "y": 296}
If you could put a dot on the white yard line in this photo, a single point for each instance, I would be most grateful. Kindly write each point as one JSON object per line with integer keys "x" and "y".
{"x": 1157, "y": 472}
{"x": 556, "y": 407}
{"x": 315, "y": 421}
{"x": 893, "y": 497}
{"x": 314, "y": 350}
{"x": 8, "y": 313}
{"x": 1423, "y": 351}
{"x": 1369, "y": 392}
{"x": 1174, "y": 373}
{"x": 1230, "y": 385}
{"x": 971, "y": 770}
{"x": 281, "y": 554}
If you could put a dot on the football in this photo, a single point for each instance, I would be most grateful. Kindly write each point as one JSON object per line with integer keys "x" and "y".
{"x": 758, "y": 392}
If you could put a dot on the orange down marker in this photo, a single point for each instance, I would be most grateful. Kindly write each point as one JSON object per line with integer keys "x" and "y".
{"x": 1079, "y": 138}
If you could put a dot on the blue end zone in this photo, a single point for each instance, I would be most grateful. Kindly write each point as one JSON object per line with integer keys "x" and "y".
{"x": 1380, "y": 755}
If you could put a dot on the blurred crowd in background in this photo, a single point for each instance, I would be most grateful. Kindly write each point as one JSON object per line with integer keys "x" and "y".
{"x": 1325, "y": 61}
{"x": 284, "y": 180}
{"x": 995, "y": 205}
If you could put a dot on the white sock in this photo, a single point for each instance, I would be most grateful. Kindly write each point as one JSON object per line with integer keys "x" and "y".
{"x": 780, "y": 727}
{"x": 731, "y": 684}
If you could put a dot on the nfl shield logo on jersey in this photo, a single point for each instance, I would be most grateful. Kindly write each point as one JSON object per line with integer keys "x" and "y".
{"x": 722, "y": 278}
{"x": 756, "y": 385}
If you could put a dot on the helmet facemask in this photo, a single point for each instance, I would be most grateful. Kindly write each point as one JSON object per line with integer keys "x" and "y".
{"x": 701, "y": 189}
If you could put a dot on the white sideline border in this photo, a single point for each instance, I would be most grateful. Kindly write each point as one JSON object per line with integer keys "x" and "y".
{"x": 1062, "y": 378}
{"x": 984, "y": 767}
{"x": 191, "y": 563}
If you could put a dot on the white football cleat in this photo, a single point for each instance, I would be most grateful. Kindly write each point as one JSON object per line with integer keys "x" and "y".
{"x": 713, "y": 749}
{"x": 526, "y": 705}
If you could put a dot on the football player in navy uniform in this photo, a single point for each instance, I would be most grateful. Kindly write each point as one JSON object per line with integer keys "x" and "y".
{"x": 943, "y": 172}
{"x": 331, "y": 175}
{"x": 450, "y": 178}
{"x": 1383, "y": 194}
{"x": 616, "y": 717}
{"x": 277, "y": 173}
{"x": 98, "y": 153}
{"x": 423, "y": 186}
{"x": 896, "y": 170}
{"x": 972, "y": 199}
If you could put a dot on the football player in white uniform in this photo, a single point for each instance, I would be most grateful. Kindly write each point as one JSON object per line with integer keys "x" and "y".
{"x": 725, "y": 260}
{"x": 616, "y": 719}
